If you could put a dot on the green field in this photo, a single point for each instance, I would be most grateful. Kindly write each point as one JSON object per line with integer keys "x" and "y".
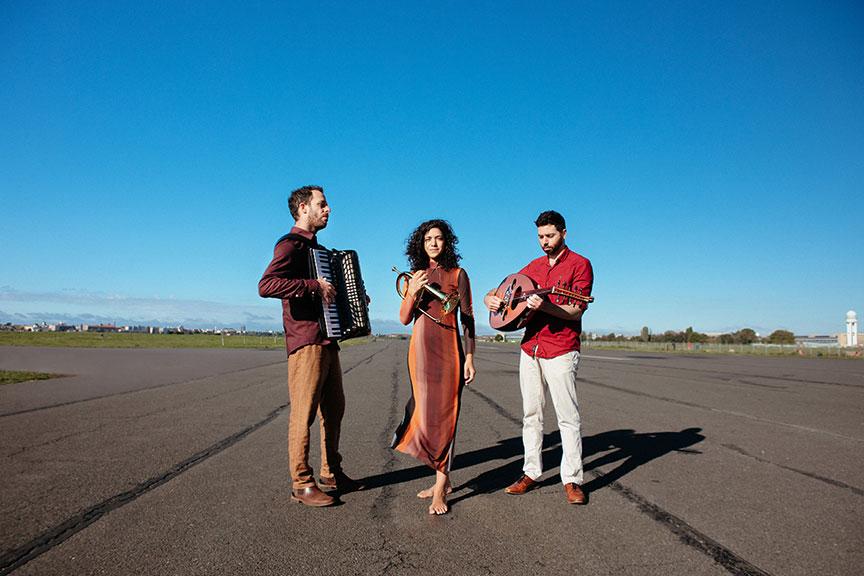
{"x": 121, "y": 340}
{"x": 13, "y": 376}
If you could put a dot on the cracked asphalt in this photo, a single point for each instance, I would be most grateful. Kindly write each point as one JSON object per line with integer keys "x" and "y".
{"x": 174, "y": 462}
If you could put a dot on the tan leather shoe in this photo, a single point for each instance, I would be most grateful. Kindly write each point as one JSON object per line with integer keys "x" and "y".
{"x": 574, "y": 493}
{"x": 341, "y": 482}
{"x": 521, "y": 486}
{"x": 312, "y": 496}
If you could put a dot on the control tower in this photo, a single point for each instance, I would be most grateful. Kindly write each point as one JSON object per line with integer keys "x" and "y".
{"x": 851, "y": 328}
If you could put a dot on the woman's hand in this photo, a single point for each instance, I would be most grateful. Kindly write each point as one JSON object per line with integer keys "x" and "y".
{"x": 418, "y": 280}
{"x": 469, "y": 369}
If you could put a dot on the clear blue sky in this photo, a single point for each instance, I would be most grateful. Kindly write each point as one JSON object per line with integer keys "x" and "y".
{"x": 709, "y": 158}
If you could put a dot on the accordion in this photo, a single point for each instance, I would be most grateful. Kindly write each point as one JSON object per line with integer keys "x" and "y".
{"x": 348, "y": 315}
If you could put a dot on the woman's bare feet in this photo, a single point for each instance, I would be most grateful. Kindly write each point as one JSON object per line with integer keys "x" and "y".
{"x": 439, "y": 505}
{"x": 439, "y": 494}
{"x": 429, "y": 492}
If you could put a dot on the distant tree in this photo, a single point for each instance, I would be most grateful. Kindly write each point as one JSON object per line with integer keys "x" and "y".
{"x": 645, "y": 335}
{"x": 781, "y": 337}
{"x": 691, "y": 335}
{"x": 748, "y": 336}
{"x": 672, "y": 336}
{"x": 699, "y": 337}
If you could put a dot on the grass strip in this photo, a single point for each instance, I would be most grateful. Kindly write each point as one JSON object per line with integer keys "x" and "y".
{"x": 138, "y": 340}
{"x": 14, "y": 376}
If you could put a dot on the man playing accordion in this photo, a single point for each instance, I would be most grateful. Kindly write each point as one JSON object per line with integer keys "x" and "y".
{"x": 314, "y": 372}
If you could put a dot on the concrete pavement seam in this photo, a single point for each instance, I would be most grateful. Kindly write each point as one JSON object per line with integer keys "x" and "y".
{"x": 688, "y": 535}
{"x": 157, "y": 387}
{"x": 832, "y": 482}
{"x": 17, "y": 557}
{"x": 723, "y": 374}
{"x": 712, "y": 409}
{"x": 733, "y": 563}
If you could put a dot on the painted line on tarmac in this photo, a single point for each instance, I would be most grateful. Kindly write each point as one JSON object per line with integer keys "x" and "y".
{"x": 724, "y": 375}
{"x": 622, "y": 358}
{"x": 831, "y": 481}
{"x": 125, "y": 392}
{"x": 13, "y": 559}
{"x": 721, "y": 411}
{"x": 102, "y": 397}
{"x": 688, "y": 535}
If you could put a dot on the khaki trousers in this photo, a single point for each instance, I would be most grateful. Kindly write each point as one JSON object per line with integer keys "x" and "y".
{"x": 314, "y": 386}
{"x": 559, "y": 376}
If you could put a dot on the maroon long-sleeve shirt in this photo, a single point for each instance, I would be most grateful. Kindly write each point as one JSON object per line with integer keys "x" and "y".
{"x": 289, "y": 278}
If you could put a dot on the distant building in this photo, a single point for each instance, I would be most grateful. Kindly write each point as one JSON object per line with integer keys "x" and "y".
{"x": 817, "y": 341}
{"x": 99, "y": 328}
{"x": 851, "y": 337}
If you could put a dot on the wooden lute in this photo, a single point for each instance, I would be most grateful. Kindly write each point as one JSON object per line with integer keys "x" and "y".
{"x": 514, "y": 291}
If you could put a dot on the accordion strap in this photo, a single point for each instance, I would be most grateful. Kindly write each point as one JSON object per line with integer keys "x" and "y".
{"x": 302, "y": 239}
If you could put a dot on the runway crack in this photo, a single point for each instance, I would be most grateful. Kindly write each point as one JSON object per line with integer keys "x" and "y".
{"x": 394, "y": 559}
{"x": 687, "y": 534}
{"x": 719, "y": 410}
{"x": 831, "y": 481}
{"x": 13, "y": 559}
{"x": 135, "y": 391}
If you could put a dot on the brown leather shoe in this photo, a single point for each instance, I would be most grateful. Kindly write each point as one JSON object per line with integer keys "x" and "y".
{"x": 522, "y": 485}
{"x": 574, "y": 493}
{"x": 341, "y": 482}
{"x": 312, "y": 496}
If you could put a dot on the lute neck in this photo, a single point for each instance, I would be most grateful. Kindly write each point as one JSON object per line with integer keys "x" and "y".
{"x": 554, "y": 290}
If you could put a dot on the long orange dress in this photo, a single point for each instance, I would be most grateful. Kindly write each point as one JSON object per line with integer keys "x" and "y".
{"x": 436, "y": 361}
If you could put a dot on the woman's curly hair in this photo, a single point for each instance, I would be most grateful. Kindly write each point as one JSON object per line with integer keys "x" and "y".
{"x": 417, "y": 257}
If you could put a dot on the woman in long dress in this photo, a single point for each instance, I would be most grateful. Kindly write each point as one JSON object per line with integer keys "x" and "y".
{"x": 440, "y": 363}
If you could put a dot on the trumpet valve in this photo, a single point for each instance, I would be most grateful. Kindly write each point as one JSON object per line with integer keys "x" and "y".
{"x": 450, "y": 303}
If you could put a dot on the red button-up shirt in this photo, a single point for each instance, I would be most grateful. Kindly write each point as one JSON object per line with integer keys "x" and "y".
{"x": 289, "y": 277}
{"x": 548, "y": 336}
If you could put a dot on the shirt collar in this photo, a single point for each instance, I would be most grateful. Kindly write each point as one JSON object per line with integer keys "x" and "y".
{"x": 305, "y": 233}
{"x": 561, "y": 257}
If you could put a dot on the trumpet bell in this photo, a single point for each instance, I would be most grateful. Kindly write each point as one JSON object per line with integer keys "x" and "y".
{"x": 402, "y": 284}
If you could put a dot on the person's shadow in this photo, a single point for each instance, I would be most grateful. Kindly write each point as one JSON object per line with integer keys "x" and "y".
{"x": 503, "y": 450}
{"x": 627, "y": 446}
{"x": 634, "y": 450}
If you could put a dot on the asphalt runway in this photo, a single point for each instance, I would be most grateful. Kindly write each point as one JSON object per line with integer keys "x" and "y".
{"x": 174, "y": 462}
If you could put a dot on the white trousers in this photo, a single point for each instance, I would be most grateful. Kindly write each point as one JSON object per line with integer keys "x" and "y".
{"x": 559, "y": 375}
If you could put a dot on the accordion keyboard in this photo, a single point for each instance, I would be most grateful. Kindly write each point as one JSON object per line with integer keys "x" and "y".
{"x": 347, "y": 316}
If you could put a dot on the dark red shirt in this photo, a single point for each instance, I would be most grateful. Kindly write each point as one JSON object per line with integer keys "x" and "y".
{"x": 548, "y": 336}
{"x": 289, "y": 277}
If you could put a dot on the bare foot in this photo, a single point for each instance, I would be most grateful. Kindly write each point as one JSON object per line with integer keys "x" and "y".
{"x": 429, "y": 492}
{"x": 439, "y": 503}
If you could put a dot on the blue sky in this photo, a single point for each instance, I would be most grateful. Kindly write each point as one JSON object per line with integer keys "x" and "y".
{"x": 709, "y": 158}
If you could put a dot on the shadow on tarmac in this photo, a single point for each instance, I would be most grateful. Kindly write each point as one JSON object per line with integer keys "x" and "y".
{"x": 628, "y": 447}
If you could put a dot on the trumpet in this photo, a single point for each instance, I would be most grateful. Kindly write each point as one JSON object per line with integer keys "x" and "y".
{"x": 449, "y": 302}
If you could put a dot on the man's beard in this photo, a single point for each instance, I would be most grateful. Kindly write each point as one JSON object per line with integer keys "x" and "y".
{"x": 552, "y": 250}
